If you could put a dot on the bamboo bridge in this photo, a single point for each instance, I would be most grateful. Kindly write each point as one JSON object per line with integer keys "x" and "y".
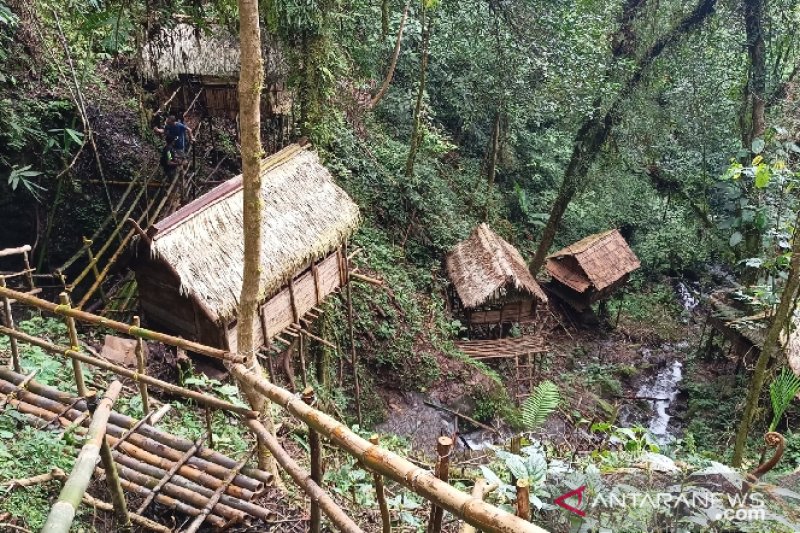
{"x": 190, "y": 477}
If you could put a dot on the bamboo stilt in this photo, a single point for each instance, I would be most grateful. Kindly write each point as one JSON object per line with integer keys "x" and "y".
{"x": 315, "y": 450}
{"x": 63, "y": 512}
{"x": 74, "y": 344}
{"x": 9, "y": 322}
{"x": 353, "y": 354}
{"x": 443, "y": 447}
{"x": 386, "y": 518}
{"x": 212, "y": 502}
{"x": 199, "y": 397}
{"x": 335, "y": 514}
{"x": 141, "y": 366}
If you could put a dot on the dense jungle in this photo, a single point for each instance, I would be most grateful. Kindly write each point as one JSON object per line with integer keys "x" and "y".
{"x": 395, "y": 265}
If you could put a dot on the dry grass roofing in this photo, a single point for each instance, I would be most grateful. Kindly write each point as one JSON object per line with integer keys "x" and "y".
{"x": 596, "y": 261}
{"x": 484, "y": 264}
{"x": 306, "y": 216}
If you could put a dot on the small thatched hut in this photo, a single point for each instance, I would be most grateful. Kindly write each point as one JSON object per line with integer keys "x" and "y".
{"x": 492, "y": 283}
{"x": 208, "y": 59}
{"x": 189, "y": 272}
{"x": 591, "y": 269}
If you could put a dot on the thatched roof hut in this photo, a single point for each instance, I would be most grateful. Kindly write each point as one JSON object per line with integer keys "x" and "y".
{"x": 492, "y": 280}
{"x": 306, "y": 220}
{"x": 595, "y": 265}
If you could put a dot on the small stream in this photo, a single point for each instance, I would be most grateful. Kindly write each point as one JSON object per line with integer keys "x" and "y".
{"x": 665, "y": 385}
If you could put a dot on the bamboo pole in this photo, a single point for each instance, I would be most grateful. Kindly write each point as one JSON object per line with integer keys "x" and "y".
{"x": 386, "y": 518}
{"x": 335, "y": 514}
{"x": 75, "y": 345}
{"x": 114, "y": 487}
{"x": 315, "y": 450}
{"x": 443, "y": 447}
{"x": 121, "y": 327}
{"x": 9, "y": 322}
{"x": 479, "y": 491}
{"x": 523, "y": 499}
{"x": 18, "y": 388}
{"x": 141, "y": 366}
{"x": 353, "y": 354}
{"x": 212, "y": 502}
{"x": 476, "y": 512}
{"x": 137, "y": 519}
{"x": 90, "y": 255}
{"x": 199, "y": 397}
{"x": 63, "y": 512}
{"x": 209, "y": 430}
{"x": 164, "y": 480}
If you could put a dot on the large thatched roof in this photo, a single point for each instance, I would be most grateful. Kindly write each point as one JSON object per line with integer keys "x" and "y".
{"x": 306, "y": 216}
{"x": 596, "y": 261}
{"x": 484, "y": 264}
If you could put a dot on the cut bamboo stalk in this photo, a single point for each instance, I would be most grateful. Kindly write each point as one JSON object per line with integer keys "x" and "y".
{"x": 479, "y": 491}
{"x": 353, "y": 354}
{"x": 114, "y": 487}
{"x": 5, "y": 252}
{"x": 93, "y": 263}
{"x": 335, "y": 514}
{"x": 132, "y": 430}
{"x": 141, "y": 365}
{"x": 199, "y": 397}
{"x": 523, "y": 499}
{"x": 443, "y": 447}
{"x": 164, "y": 480}
{"x": 478, "y": 513}
{"x": 18, "y": 388}
{"x": 212, "y": 502}
{"x": 63, "y": 512}
{"x": 9, "y": 322}
{"x": 137, "y": 519}
{"x": 315, "y": 450}
{"x": 55, "y": 473}
{"x": 366, "y": 279}
{"x": 121, "y": 327}
{"x": 386, "y": 518}
{"x": 74, "y": 344}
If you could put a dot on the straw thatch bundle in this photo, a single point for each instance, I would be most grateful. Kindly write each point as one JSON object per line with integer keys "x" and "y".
{"x": 306, "y": 217}
{"x": 482, "y": 266}
{"x": 597, "y": 261}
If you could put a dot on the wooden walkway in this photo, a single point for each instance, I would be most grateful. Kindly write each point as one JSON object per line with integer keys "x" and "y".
{"x": 154, "y": 465}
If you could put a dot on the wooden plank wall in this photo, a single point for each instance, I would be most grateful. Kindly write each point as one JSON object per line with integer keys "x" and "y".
{"x": 519, "y": 311}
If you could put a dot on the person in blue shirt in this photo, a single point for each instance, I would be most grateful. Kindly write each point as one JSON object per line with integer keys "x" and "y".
{"x": 180, "y": 132}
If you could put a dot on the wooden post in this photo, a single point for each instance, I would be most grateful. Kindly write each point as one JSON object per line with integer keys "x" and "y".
{"x": 386, "y": 518}
{"x": 354, "y": 356}
{"x": 301, "y": 350}
{"x": 9, "y": 321}
{"x": 315, "y": 449}
{"x": 443, "y": 447}
{"x": 28, "y": 271}
{"x": 93, "y": 264}
{"x": 141, "y": 362}
{"x": 209, "y": 430}
{"x": 112, "y": 480}
{"x": 74, "y": 344}
{"x": 63, "y": 512}
{"x": 523, "y": 499}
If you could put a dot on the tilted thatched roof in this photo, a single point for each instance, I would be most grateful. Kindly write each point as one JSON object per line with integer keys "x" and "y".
{"x": 596, "y": 261}
{"x": 305, "y": 217}
{"x": 483, "y": 264}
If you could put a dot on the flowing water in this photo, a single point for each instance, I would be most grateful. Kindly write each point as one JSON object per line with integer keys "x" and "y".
{"x": 664, "y": 386}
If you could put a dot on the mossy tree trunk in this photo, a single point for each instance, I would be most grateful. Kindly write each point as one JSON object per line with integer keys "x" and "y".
{"x": 423, "y": 72}
{"x": 592, "y": 135}
{"x": 251, "y": 78}
{"x": 770, "y": 349}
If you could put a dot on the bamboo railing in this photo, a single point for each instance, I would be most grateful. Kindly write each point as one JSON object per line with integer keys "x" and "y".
{"x": 471, "y": 509}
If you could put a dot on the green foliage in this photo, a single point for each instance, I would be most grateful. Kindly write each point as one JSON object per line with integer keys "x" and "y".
{"x": 542, "y": 402}
{"x": 782, "y": 391}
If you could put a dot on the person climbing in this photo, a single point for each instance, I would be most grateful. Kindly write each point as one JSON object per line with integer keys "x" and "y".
{"x": 170, "y": 161}
{"x": 182, "y": 134}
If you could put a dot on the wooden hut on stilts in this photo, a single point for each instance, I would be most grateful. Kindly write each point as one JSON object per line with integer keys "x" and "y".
{"x": 189, "y": 268}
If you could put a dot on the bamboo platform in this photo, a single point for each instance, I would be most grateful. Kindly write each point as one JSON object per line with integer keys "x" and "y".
{"x": 153, "y": 464}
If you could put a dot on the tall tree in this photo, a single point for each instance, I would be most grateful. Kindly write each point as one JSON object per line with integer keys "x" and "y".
{"x": 251, "y": 79}
{"x": 770, "y": 348}
{"x": 594, "y": 132}
{"x": 423, "y": 72}
{"x": 753, "y": 121}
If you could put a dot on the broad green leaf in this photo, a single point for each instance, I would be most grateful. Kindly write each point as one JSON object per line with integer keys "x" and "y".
{"x": 758, "y": 146}
{"x": 736, "y": 238}
{"x": 762, "y": 176}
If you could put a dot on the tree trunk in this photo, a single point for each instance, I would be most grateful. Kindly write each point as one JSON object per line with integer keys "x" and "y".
{"x": 423, "y": 71}
{"x": 491, "y": 167}
{"x": 757, "y": 82}
{"x": 251, "y": 78}
{"x": 770, "y": 348}
{"x": 393, "y": 65}
{"x": 595, "y": 131}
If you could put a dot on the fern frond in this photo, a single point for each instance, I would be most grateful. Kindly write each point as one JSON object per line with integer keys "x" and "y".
{"x": 781, "y": 391}
{"x": 540, "y": 404}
